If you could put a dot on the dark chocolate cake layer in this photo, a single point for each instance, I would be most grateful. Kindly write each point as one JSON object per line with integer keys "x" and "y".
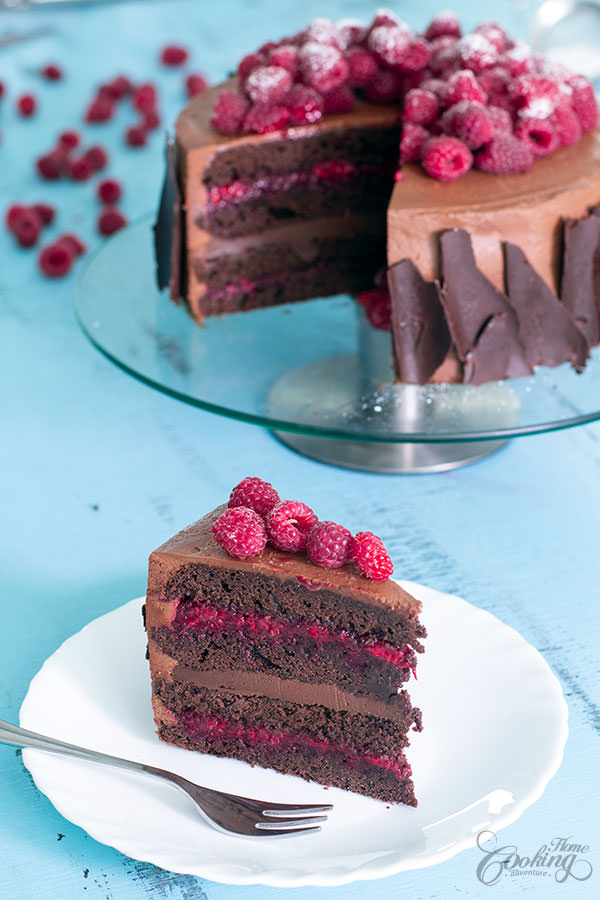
{"x": 301, "y": 741}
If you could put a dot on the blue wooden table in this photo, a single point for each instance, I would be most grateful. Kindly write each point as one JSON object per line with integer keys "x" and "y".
{"x": 97, "y": 470}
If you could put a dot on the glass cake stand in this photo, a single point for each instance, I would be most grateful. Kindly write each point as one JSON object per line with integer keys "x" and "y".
{"x": 314, "y": 373}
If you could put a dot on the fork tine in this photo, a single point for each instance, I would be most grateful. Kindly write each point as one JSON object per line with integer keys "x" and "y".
{"x": 289, "y": 827}
{"x": 298, "y": 809}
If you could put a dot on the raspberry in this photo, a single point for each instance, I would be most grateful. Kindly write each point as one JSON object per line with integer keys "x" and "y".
{"x": 173, "y": 55}
{"x": 493, "y": 33}
{"x": 420, "y": 107}
{"x": 329, "y": 545}
{"x": 351, "y": 32}
{"x": 322, "y": 66}
{"x": 195, "y": 84}
{"x": 26, "y": 105}
{"x": 249, "y": 63}
{"x": 55, "y": 260}
{"x": 285, "y": 56}
{"x": 116, "y": 89}
{"x": 504, "y": 155}
{"x": 384, "y": 17}
{"x": 495, "y": 81}
{"x": 229, "y": 112}
{"x": 339, "y": 100}
{"x": 371, "y": 557}
{"x": 97, "y": 157}
{"x": 323, "y": 31}
{"x": 289, "y": 523}
{"x": 72, "y": 243}
{"x": 263, "y": 118}
{"x": 444, "y": 58}
{"x": 51, "y": 72}
{"x": 150, "y": 120}
{"x": 304, "y": 104}
{"x": 446, "y": 158}
{"x": 565, "y": 124}
{"x": 362, "y": 67}
{"x": 501, "y": 119}
{"x": 101, "y": 109}
{"x": 436, "y": 86}
{"x": 476, "y": 53}
{"x": 268, "y": 84}
{"x": 51, "y": 165}
{"x": 416, "y": 57}
{"x": 45, "y": 212}
{"x": 414, "y": 80}
{"x": 144, "y": 97}
{"x": 80, "y": 169}
{"x": 12, "y": 214}
{"x": 517, "y": 61}
{"x": 27, "y": 228}
{"x": 136, "y": 136}
{"x": 464, "y": 86}
{"x": 536, "y": 93}
{"x": 583, "y": 102}
{"x": 469, "y": 122}
{"x": 412, "y": 141}
{"x": 2, "y": 90}
{"x": 110, "y": 220}
{"x": 68, "y": 140}
{"x": 378, "y": 310}
{"x": 256, "y": 494}
{"x": 445, "y": 23}
{"x": 385, "y": 87}
{"x": 390, "y": 44}
{"x": 240, "y": 532}
{"x": 109, "y": 191}
{"x": 538, "y": 134}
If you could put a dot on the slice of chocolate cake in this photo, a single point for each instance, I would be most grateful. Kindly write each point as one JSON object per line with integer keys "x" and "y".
{"x": 280, "y": 662}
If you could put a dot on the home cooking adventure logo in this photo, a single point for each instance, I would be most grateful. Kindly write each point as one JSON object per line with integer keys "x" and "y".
{"x": 561, "y": 858}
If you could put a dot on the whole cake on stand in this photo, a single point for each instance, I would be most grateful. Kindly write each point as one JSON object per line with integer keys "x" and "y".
{"x": 464, "y": 166}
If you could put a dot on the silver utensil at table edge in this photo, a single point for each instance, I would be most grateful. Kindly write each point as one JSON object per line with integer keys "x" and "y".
{"x": 228, "y": 813}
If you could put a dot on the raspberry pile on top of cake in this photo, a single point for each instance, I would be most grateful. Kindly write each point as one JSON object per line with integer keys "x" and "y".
{"x": 463, "y": 165}
{"x": 279, "y": 639}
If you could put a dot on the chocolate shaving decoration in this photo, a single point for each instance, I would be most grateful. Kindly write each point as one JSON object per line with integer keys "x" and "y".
{"x": 168, "y": 230}
{"x": 483, "y": 326}
{"x": 580, "y": 287}
{"x": 420, "y": 336}
{"x": 545, "y": 328}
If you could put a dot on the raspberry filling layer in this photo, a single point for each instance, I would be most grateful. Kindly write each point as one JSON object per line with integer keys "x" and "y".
{"x": 328, "y": 173}
{"x": 222, "y": 732}
{"x": 205, "y": 618}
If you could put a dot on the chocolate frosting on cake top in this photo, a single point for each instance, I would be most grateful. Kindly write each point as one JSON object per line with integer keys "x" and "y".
{"x": 196, "y": 544}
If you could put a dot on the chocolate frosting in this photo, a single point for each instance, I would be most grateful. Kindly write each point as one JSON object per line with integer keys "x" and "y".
{"x": 483, "y": 325}
{"x": 545, "y": 328}
{"x": 420, "y": 335}
{"x": 168, "y": 229}
{"x": 195, "y": 544}
{"x": 580, "y": 289}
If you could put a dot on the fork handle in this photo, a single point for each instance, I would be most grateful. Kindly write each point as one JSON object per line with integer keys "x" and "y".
{"x": 20, "y": 737}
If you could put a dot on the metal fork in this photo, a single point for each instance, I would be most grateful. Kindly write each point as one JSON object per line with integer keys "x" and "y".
{"x": 225, "y": 812}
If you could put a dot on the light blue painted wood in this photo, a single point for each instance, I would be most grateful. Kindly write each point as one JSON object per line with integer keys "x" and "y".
{"x": 97, "y": 470}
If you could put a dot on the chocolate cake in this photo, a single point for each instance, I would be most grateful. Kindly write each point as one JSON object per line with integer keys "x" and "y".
{"x": 283, "y": 663}
{"x": 405, "y": 138}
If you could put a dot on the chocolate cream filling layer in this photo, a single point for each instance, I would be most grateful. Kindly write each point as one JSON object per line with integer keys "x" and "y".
{"x": 256, "y": 684}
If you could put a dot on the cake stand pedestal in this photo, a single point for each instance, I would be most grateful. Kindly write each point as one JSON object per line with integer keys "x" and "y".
{"x": 357, "y": 392}
{"x": 316, "y": 374}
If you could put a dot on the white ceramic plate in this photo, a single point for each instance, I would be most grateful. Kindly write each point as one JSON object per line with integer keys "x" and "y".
{"x": 495, "y": 725}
